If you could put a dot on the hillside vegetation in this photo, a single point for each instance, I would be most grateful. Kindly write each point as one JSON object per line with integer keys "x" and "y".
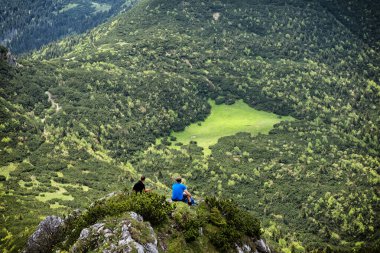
{"x": 213, "y": 226}
{"x": 28, "y": 25}
{"x": 81, "y": 117}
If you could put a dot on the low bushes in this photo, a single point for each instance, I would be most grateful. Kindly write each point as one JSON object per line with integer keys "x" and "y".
{"x": 225, "y": 225}
{"x": 188, "y": 220}
{"x": 231, "y": 222}
{"x": 151, "y": 206}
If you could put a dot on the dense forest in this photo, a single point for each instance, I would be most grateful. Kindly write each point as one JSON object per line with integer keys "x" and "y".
{"x": 362, "y": 17}
{"x": 80, "y": 118}
{"x": 28, "y": 25}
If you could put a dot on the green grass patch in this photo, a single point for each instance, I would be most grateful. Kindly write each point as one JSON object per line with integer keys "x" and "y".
{"x": 61, "y": 193}
{"x": 226, "y": 120}
{"x": 56, "y": 205}
{"x": 78, "y": 186}
{"x": 6, "y": 170}
{"x": 29, "y": 185}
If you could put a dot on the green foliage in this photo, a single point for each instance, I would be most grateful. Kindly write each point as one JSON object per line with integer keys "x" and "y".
{"x": 84, "y": 108}
{"x": 242, "y": 118}
{"x": 241, "y": 220}
{"x": 3, "y": 50}
{"x": 188, "y": 220}
{"x": 30, "y": 25}
{"x": 216, "y": 217}
{"x": 358, "y": 16}
{"x": 151, "y": 206}
{"x": 225, "y": 238}
{"x": 183, "y": 222}
{"x": 232, "y": 223}
{"x": 176, "y": 245}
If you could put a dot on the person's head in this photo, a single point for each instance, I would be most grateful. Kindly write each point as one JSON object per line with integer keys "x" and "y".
{"x": 142, "y": 178}
{"x": 178, "y": 179}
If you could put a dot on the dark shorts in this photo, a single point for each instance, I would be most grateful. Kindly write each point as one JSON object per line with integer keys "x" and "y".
{"x": 184, "y": 199}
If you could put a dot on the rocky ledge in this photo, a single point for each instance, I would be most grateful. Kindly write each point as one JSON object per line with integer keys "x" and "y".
{"x": 5, "y": 55}
{"x": 126, "y": 234}
{"x": 112, "y": 224}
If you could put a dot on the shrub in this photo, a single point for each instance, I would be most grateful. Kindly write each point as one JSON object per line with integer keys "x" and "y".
{"x": 232, "y": 222}
{"x": 216, "y": 217}
{"x": 225, "y": 238}
{"x": 191, "y": 230}
{"x": 182, "y": 214}
{"x": 220, "y": 100}
{"x": 188, "y": 220}
{"x": 151, "y": 206}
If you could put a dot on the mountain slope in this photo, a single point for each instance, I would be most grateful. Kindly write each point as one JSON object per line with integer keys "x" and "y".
{"x": 141, "y": 75}
{"x": 361, "y": 17}
{"x": 26, "y": 26}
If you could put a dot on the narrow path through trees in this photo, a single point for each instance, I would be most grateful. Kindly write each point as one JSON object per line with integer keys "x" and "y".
{"x": 54, "y": 105}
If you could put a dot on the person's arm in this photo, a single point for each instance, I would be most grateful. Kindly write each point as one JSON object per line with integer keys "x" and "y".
{"x": 187, "y": 193}
{"x": 146, "y": 190}
{"x": 188, "y": 196}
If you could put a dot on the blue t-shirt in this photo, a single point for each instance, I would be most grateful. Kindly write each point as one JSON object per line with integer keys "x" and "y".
{"x": 178, "y": 190}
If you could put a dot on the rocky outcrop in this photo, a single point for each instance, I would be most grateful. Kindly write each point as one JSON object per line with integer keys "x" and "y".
{"x": 48, "y": 233}
{"x": 261, "y": 247}
{"x": 5, "y": 55}
{"x": 129, "y": 234}
{"x": 126, "y": 231}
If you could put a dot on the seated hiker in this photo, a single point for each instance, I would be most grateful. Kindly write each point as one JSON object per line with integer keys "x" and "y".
{"x": 140, "y": 186}
{"x": 180, "y": 192}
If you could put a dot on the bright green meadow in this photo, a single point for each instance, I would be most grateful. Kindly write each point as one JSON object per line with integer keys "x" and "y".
{"x": 225, "y": 120}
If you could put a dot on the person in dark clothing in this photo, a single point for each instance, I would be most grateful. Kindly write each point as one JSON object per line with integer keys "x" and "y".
{"x": 140, "y": 186}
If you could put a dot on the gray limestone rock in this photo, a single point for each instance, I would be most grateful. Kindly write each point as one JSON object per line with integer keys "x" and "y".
{"x": 126, "y": 235}
{"x": 48, "y": 233}
{"x": 136, "y": 216}
{"x": 262, "y": 247}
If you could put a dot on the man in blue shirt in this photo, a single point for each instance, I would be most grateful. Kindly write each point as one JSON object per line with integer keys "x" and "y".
{"x": 180, "y": 192}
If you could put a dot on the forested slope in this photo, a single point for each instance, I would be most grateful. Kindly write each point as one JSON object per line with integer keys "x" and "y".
{"x": 93, "y": 105}
{"x": 362, "y": 17}
{"x": 28, "y": 25}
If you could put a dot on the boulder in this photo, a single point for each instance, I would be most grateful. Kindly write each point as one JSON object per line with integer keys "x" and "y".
{"x": 48, "y": 233}
{"x": 262, "y": 247}
{"x": 259, "y": 246}
{"x": 128, "y": 234}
